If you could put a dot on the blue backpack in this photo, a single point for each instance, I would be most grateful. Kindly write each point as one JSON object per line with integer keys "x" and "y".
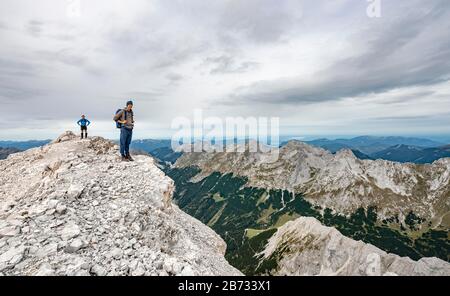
{"x": 118, "y": 124}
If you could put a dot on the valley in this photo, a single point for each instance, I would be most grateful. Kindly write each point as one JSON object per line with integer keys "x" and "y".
{"x": 246, "y": 217}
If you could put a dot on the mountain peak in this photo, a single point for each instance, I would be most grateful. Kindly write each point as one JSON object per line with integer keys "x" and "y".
{"x": 322, "y": 250}
{"x": 304, "y": 147}
{"x": 72, "y": 208}
{"x": 345, "y": 153}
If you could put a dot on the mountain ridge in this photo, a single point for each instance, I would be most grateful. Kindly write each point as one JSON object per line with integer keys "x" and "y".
{"x": 248, "y": 197}
{"x": 407, "y": 153}
{"x": 305, "y": 247}
{"x": 372, "y": 144}
{"x": 321, "y": 176}
{"x": 68, "y": 208}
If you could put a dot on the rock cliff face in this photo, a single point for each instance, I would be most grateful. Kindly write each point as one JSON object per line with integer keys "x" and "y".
{"x": 72, "y": 208}
{"x": 305, "y": 247}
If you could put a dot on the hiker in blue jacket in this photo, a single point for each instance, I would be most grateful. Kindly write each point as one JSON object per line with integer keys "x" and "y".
{"x": 83, "y": 123}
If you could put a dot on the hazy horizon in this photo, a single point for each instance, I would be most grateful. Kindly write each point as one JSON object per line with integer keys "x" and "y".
{"x": 444, "y": 139}
{"x": 324, "y": 68}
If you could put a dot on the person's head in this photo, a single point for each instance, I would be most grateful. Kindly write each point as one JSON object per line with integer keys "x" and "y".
{"x": 129, "y": 105}
{"x": 82, "y": 116}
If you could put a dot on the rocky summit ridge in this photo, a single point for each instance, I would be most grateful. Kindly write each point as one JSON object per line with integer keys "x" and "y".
{"x": 72, "y": 208}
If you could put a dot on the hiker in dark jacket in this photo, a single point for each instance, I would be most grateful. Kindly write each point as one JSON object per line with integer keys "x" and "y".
{"x": 83, "y": 123}
{"x": 126, "y": 118}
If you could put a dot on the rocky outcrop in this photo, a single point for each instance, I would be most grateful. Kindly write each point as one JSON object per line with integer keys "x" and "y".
{"x": 72, "y": 208}
{"x": 305, "y": 247}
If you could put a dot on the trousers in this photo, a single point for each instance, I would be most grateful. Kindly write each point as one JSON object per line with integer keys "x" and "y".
{"x": 125, "y": 140}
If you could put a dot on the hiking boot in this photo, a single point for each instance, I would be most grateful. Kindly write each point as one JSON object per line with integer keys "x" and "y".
{"x": 129, "y": 157}
{"x": 124, "y": 158}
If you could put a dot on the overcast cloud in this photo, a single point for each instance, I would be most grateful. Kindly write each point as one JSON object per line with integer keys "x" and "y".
{"x": 324, "y": 67}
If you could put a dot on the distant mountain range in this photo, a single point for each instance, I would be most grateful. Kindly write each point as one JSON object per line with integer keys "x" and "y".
{"x": 157, "y": 148}
{"x": 370, "y": 144}
{"x": 400, "y": 149}
{"x": 10, "y": 147}
{"x": 148, "y": 145}
{"x": 23, "y": 145}
{"x": 4, "y": 152}
{"x": 360, "y": 155}
{"x": 406, "y": 153}
{"x": 160, "y": 149}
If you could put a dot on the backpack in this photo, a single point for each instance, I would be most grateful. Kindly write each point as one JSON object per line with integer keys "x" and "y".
{"x": 118, "y": 124}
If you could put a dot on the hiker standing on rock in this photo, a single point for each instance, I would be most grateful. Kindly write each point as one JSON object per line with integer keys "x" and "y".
{"x": 125, "y": 121}
{"x": 83, "y": 123}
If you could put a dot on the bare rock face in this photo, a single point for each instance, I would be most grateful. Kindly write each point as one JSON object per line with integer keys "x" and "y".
{"x": 66, "y": 136}
{"x": 72, "y": 208}
{"x": 305, "y": 247}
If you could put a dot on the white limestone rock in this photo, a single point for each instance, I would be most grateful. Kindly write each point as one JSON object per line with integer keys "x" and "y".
{"x": 139, "y": 270}
{"x": 45, "y": 270}
{"x": 315, "y": 249}
{"x": 67, "y": 208}
{"x": 98, "y": 270}
{"x": 61, "y": 209}
{"x": 47, "y": 250}
{"x": 75, "y": 191}
{"x": 11, "y": 257}
{"x": 75, "y": 245}
{"x": 187, "y": 271}
{"x": 71, "y": 230}
{"x": 9, "y": 231}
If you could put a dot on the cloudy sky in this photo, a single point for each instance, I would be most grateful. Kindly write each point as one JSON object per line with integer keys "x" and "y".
{"x": 323, "y": 67}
